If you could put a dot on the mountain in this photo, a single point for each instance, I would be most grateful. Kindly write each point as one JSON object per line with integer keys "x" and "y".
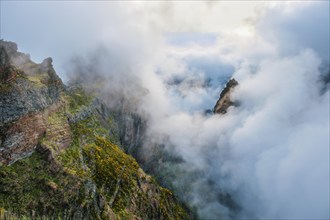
{"x": 225, "y": 100}
{"x": 62, "y": 151}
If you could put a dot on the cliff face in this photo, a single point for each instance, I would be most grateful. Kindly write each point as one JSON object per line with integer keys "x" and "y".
{"x": 225, "y": 100}
{"x": 28, "y": 93}
{"x": 58, "y": 152}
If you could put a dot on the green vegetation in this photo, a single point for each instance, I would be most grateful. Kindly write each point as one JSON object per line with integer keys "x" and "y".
{"x": 76, "y": 99}
{"x": 92, "y": 177}
{"x": 38, "y": 80}
{"x": 113, "y": 169}
{"x": 35, "y": 185}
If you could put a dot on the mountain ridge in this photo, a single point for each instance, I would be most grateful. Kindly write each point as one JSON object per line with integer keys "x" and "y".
{"x": 59, "y": 152}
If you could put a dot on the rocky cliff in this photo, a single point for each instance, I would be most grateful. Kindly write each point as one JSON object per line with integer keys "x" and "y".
{"x": 59, "y": 155}
{"x": 225, "y": 100}
{"x": 28, "y": 93}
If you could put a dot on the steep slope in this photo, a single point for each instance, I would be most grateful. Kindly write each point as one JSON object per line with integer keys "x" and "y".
{"x": 59, "y": 154}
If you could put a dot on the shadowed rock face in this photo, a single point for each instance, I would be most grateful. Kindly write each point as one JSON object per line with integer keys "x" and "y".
{"x": 225, "y": 101}
{"x": 28, "y": 92}
{"x": 31, "y": 88}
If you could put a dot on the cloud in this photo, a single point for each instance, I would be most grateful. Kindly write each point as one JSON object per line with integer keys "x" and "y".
{"x": 191, "y": 38}
{"x": 283, "y": 145}
{"x": 293, "y": 26}
{"x": 272, "y": 153}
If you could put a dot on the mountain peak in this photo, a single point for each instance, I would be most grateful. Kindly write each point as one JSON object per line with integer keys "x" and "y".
{"x": 225, "y": 101}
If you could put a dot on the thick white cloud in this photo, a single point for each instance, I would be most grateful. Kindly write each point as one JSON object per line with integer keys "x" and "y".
{"x": 272, "y": 152}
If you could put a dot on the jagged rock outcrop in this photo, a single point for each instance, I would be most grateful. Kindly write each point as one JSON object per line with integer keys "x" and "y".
{"x": 225, "y": 100}
{"x": 59, "y": 156}
{"x": 28, "y": 92}
{"x": 34, "y": 88}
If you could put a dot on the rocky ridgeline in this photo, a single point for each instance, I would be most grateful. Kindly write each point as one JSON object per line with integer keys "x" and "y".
{"x": 32, "y": 88}
{"x": 225, "y": 100}
{"x": 58, "y": 152}
{"x": 28, "y": 92}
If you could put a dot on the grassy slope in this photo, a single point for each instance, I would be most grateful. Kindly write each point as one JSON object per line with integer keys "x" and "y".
{"x": 92, "y": 177}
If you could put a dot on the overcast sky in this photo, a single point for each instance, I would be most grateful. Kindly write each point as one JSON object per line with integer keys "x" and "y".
{"x": 61, "y": 29}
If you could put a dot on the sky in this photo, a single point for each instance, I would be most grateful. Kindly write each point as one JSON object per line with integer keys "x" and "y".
{"x": 63, "y": 28}
{"x": 172, "y": 59}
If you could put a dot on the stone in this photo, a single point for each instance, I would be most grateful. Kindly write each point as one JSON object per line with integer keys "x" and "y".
{"x": 225, "y": 100}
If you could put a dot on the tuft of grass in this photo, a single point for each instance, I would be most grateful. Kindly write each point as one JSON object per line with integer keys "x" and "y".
{"x": 38, "y": 79}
